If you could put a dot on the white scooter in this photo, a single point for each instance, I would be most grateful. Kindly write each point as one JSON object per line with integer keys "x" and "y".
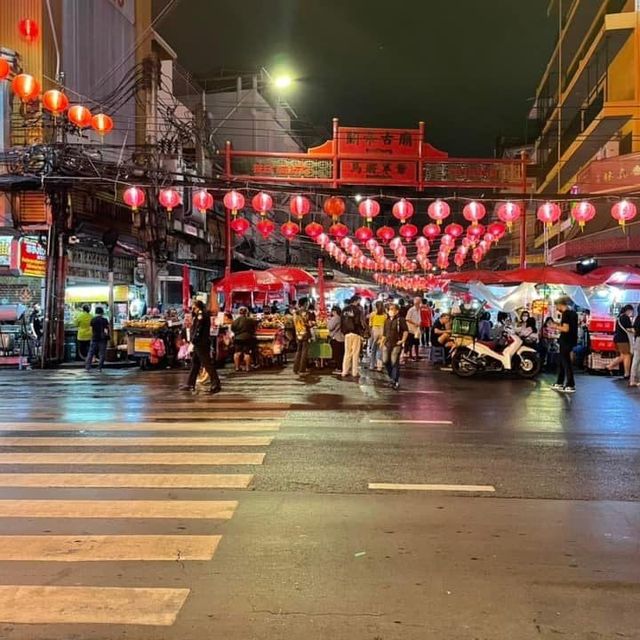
{"x": 470, "y": 357}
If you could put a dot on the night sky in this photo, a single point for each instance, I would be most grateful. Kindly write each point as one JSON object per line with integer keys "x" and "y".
{"x": 468, "y": 68}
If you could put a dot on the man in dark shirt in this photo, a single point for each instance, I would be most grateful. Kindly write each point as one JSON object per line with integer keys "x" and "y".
{"x": 568, "y": 328}
{"x": 353, "y": 328}
{"x": 244, "y": 338}
{"x": 395, "y": 334}
{"x": 201, "y": 355}
{"x": 99, "y": 339}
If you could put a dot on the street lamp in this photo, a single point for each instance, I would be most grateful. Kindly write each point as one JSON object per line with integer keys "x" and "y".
{"x": 283, "y": 81}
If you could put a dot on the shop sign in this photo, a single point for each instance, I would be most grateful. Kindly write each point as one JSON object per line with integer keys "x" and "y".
{"x": 353, "y": 171}
{"x": 611, "y": 174}
{"x": 5, "y": 251}
{"x": 190, "y": 229}
{"x": 27, "y": 257}
{"x": 477, "y": 173}
{"x": 275, "y": 167}
{"x": 393, "y": 142}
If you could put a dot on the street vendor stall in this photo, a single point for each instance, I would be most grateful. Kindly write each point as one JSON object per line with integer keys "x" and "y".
{"x": 153, "y": 340}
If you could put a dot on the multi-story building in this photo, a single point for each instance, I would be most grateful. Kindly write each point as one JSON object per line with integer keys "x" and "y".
{"x": 588, "y": 111}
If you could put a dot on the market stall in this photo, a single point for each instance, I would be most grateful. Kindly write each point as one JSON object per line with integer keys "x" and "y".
{"x": 153, "y": 340}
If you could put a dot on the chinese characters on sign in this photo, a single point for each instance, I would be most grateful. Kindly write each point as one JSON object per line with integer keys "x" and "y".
{"x": 610, "y": 174}
{"x": 482, "y": 173}
{"x": 265, "y": 167}
{"x": 354, "y": 171}
{"x": 392, "y": 142}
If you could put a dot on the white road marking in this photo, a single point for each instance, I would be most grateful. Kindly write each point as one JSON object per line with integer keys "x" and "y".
{"x": 474, "y": 488}
{"x": 374, "y": 421}
{"x": 262, "y": 425}
{"x": 146, "y": 441}
{"x": 132, "y": 458}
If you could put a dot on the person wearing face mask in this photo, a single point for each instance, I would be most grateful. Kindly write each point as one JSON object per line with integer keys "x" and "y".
{"x": 623, "y": 340}
{"x": 394, "y": 337}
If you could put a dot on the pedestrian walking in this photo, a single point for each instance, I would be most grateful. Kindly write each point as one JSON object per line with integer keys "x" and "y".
{"x": 82, "y": 320}
{"x": 426, "y": 322}
{"x": 395, "y": 335}
{"x": 354, "y": 329}
{"x": 568, "y": 329}
{"x": 201, "y": 355}
{"x": 99, "y": 339}
{"x": 302, "y": 323}
{"x": 336, "y": 337}
{"x": 634, "y": 380}
{"x": 376, "y": 328}
{"x": 623, "y": 339}
{"x": 414, "y": 322}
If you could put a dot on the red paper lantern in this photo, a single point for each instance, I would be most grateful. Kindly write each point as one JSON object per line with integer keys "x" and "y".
{"x": 549, "y": 213}
{"x": 385, "y": 234}
{"x": 459, "y": 259}
{"x": 408, "y": 231}
{"x": 313, "y": 230}
{"x": 338, "y": 230}
{"x": 265, "y": 227}
{"x": 262, "y": 203}
{"x": 475, "y": 232}
{"x": 234, "y": 201}
{"x": 431, "y": 231}
{"x": 474, "y": 212}
{"x": 102, "y": 123}
{"x": 79, "y": 115}
{"x": 363, "y": 234}
{"x": 346, "y": 243}
{"x": 289, "y": 230}
{"x": 623, "y": 212}
{"x": 497, "y": 230}
{"x": 169, "y": 199}
{"x": 447, "y": 241}
{"x": 439, "y": 211}
{"x": 582, "y": 212}
{"x": 402, "y": 210}
{"x": 454, "y": 230}
{"x": 299, "y": 206}
{"x": 55, "y": 101}
{"x": 134, "y": 197}
{"x": 334, "y": 207}
{"x": 28, "y": 29}
{"x": 26, "y": 87}
{"x": 240, "y": 226}
{"x": 422, "y": 244}
{"x": 322, "y": 240}
{"x": 477, "y": 255}
{"x": 202, "y": 200}
{"x": 369, "y": 209}
{"x": 5, "y": 69}
{"x": 489, "y": 237}
{"x": 509, "y": 212}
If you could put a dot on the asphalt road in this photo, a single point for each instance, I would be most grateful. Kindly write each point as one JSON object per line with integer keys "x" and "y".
{"x": 131, "y": 510}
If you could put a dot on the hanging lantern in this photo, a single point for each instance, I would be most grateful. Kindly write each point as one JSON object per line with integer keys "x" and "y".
{"x": 623, "y": 212}
{"x": 28, "y": 29}
{"x": 234, "y": 201}
{"x": 5, "y": 69}
{"x": 549, "y": 213}
{"x": 489, "y": 237}
{"x": 371, "y": 244}
{"x": 55, "y": 101}
{"x": 484, "y": 246}
{"x": 509, "y": 212}
{"x": 26, "y": 87}
{"x": 169, "y": 199}
{"x": 290, "y": 230}
{"x": 582, "y": 212}
{"x": 431, "y": 231}
{"x": 364, "y": 234}
{"x": 202, "y": 200}
{"x": 402, "y": 210}
{"x": 475, "y": 232}
{"x": 385, "y": 234}
{"x": 395, "y": 243}
{"x": 299, "y": 206}
{"x": 240, "y": 226}
{"x": 497, "y": 230}
{"x": 447, "y": 241}
{"x": 313, "y": 230}
{"x": 474, "y": 212}
{"x": 134, "y": 197}
{"x": 338, "y": 230}
{"x": 369, "y": 209}
{"x": 422, "y": 244}
{"x": 265, "y": 227}
{"x": 262, "y": 203}
{"x": 346, "y": 243}
{"x": 79, "y": 115}
{"x": 334, "y": 207}
{"x": 408, "y": 231}
{"x": 102, "y": 123}
{"x": 322, "y": 240}
{"x": 459, "y": 259}
{"x": 439, "y": 211}
{"x": 454, "y": 230}
{"x": 477, "y": 255}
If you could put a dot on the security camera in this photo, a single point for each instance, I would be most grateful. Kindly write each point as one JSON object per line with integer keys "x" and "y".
{"x": 74, "y": 240}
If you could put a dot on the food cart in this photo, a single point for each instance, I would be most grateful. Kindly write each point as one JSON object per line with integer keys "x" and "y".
{"x": 152, "y": 341}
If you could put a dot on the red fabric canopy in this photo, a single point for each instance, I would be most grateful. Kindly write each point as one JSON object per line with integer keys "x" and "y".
{"x": 477, "y": 275}
{"x": 545, "y": 275}
{"x": 250, "y": 281}
{"x": 292, "y": 275}
{"x": 616, "y": 276}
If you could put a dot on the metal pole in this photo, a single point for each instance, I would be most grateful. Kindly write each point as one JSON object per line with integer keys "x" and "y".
{"x": 111, "y": 301}
{"x": 523, "y": 225}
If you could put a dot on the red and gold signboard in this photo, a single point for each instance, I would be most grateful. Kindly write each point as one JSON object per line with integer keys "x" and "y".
{"x": 358, "y": 141}
{"x": 28, "y": 258}
{"x": 364, "y": 171}
{"x": 620, "y": 173}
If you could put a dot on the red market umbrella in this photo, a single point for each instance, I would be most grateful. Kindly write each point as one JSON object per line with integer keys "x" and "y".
{"x": 545, "y": 275}
{"x": 365, "y": 293}
{"x": 623, "y": 276}
{"x": 250, "y": 281}
{"x": 292, "y": 275}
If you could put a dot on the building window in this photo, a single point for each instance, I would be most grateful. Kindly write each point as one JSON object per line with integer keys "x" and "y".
{"x": 626, "y": 144}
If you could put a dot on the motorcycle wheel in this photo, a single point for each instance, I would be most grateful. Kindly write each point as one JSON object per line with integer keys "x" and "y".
{"x": 529, "y": 365}
{"x": 461, "y": 366}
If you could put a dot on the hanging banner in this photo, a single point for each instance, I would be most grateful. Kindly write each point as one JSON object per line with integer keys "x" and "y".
{"x": 474, "y": 173}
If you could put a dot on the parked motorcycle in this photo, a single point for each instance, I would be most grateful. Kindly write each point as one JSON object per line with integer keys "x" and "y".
{"x": 470, "y": 356}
